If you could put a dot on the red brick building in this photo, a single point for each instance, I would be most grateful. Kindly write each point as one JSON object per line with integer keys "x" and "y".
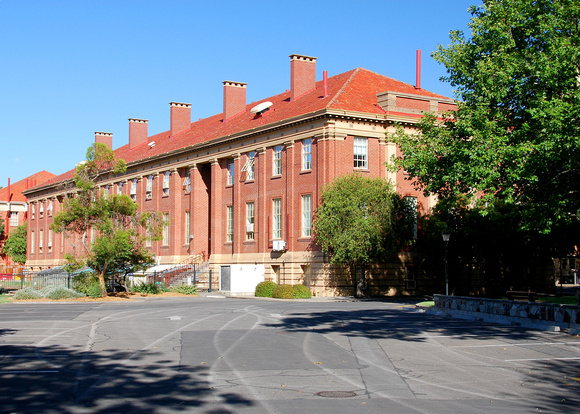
{"x": 14, "y": 207}
{"x": 240, "y": 187}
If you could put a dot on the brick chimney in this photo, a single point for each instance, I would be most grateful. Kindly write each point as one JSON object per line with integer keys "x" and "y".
{"x": 180, "y": 117}
{"x": 234, "y": 98}
{"x": 104, "y": 138}
{"x": 302, "y": 75}
{"x": 137, "y": 132}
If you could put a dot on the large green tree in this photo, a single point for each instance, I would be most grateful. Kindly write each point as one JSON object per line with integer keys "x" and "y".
{"x": 120, "y": 228}
{"x": 516, "y": 134}
{"x": 360, "y": 220}
{"x": 15, "y": 245}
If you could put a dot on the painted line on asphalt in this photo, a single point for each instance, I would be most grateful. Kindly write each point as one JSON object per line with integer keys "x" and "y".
{"x": 510, "y": 345}
{"x": 542, "y": 359}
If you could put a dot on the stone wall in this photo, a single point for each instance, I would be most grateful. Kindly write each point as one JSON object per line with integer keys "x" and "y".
{"x": 544, "y": 316}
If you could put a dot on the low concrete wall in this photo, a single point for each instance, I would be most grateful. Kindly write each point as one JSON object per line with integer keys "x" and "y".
{"x": 543, "y": 316}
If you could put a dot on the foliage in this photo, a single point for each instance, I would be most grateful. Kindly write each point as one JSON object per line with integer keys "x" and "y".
{"x": 361, "y": 220}
{"x": 301, "y": 292}
{"x": 150, "y": 288}
{"x": 15, "y": 245}
{"x": 84, "y": 281}
{"x": 265, "y": 289}
{"x": 61, "y": 293}
{"x": 94, "y": 290}
{"x": 120, "y": 243}
{"x": 283, "y": 292}
{"x": 4, "y": 298}
{"x": 2, "y": 226}
{"x": 186, "y": 289}
{"x": 28, "y": 293}
{"x": 515, "y": 136}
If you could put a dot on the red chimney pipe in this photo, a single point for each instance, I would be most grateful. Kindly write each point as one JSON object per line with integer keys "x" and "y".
{"x": 325, "y": 83}
{"x": 418, "y": 80}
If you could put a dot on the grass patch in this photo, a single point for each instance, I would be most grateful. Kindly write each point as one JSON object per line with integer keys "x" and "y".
{"x": 4, "y": 298}
{"x": 561, "y": 300}
{"x": 427, "y": 304}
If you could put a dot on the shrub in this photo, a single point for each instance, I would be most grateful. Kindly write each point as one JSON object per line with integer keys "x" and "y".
{"x": 84, "y": 283}
{"x": 150, "y": 288}
{"x": 301, "y": 292}
{"x": 27, "y": 293}
{"x": 94, "y": 290}
{"x": 62, "y": 293}
{"x": 283, "y": 292}
{"x": 186, "y": 289}
{"x": 265, "y": 289}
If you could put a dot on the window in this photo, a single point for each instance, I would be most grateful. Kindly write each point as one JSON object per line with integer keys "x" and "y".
{"x": 230, "y": 229}
{"x": 148, "y": 187}
{"x": 187, "y": 227}
{"x": 134, "y": 189}
{"x": 249, "y": 166}
{"x": 106, "y": 191}
{"x": 250, "y": 221}
{"x": 277, "y": 218}
{"x": 165, "y": 229}
{"x": 166, "y": 183}
{"x": 120, "y": 187}
{"x": 187, "y": 181}
{"x": 360, "y": 152}
{"x": 32, "y": 242}
{"x": 50, "y": 240}
{"x": 277, "y": 167}
{"x": 307, "y": 215}
{"x": 149, "y": 237}
{"x": 307, "y": 154}
{"x": 411, "y": 213}
{"x": 230, "y": 171}
{"x": 33, "y": 211}
{"x": 49, "y": 208}
{"x": 41, "y": 210}
{"x": 40, "y": 240}
{"x": 14, "y": 219}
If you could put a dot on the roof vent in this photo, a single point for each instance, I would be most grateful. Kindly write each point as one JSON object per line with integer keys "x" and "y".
{"x": 261, "y": 108}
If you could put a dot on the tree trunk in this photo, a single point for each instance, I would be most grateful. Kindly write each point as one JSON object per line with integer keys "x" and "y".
{"x": 102, "y": 282}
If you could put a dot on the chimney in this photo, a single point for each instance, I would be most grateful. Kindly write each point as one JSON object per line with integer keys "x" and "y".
{"x": 302, "y": 75}
{"x": 418, "y": 73}
{"x": 104, "y": 138}
{"x": 234, "y": 98}
{"x": 137, "y": 132}
{"x": 180, "y": 117}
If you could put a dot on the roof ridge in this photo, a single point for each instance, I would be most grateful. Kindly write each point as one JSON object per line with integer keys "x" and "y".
{"x": 351, "y": 77}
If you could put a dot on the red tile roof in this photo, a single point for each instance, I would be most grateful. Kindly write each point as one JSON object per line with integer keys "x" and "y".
{"x": 354, "y": 90}
{"x": 19, "y": 186}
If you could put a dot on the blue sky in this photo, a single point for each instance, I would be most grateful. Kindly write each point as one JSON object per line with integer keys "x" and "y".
{"x": 70, "y": 68}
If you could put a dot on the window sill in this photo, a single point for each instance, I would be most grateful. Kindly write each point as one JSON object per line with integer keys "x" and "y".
{"x": 305, "y": 239}
{"x": 306, "y": 171}
{"x": 249, "y": 181}
{"x": 363, "y": 170}
{"x": 276, "y": 177}
{"x": 249, "y": 242}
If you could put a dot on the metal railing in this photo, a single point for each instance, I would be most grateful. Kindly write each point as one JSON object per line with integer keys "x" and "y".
{"x": 197, "y": 274}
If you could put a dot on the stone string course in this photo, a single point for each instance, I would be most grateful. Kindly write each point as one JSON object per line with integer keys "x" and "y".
{"x": 543, "y": 316}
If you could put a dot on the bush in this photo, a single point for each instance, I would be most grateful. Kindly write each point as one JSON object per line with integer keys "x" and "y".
{"x": 301, "y": 292}
{"x": 265, "y": 289}
{"x": 28, "y": 293}
{"x": 62, "y": 293}
{"x": 186, "y": 289}
{"x": 150, "y": 288}
{"x": 94, "y": 290}
{"x": 283, "y": 292}
{"x": 85, "y": 282}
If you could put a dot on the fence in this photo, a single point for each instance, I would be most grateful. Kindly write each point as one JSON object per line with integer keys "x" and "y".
{"x": 56, "y": 278}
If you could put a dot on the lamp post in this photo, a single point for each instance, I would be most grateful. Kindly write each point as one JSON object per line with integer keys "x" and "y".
{"x": 446, "y": 237}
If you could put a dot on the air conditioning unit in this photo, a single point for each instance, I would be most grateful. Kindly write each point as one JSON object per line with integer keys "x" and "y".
{"x": 249, "y": 227}
{"x": 278, "y": 246}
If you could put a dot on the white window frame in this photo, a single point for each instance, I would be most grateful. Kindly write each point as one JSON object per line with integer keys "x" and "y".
{"x": 307, "y": 154}
{"x": 49, "y": 240}
{"x": 49, "y": 208}
{"x": 187, "y": 227}
{"x": 133, "y": 191}
{"x": 40, "y": 240}
{"x": 165, "y": 240}
{"x": 250, "y": 218}
{"x": 32, "y": 241}
{"x": 230, "y": 224}
{"x": 230, "y": 171}
{"x": 306, "y": 215}
{"x": 277, "y": 160}
{"x": 249, "y": 167}
{"x": 361, "y": 153}
{"x": 277, "y": 218}
{"x": 166, "y": 177}
{"x": 13, "y": 219}
{"x": 33, "y": 211}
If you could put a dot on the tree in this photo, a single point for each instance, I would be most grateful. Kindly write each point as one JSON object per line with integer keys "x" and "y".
{"x": 516, "y": 133}
{"x": 359, "y": 221}
{"x": 15, "y": 245}
{"x": 2, "y": 227}
{"x": 120, "y": 242}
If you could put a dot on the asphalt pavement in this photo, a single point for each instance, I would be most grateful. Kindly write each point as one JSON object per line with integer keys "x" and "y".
{"x": 231, "y": 355}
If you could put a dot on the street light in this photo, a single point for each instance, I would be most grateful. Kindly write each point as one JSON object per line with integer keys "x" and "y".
{"x": 446, "y": 237}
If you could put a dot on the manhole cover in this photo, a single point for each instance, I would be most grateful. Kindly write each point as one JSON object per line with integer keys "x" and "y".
{"x": 336, "y": 394}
